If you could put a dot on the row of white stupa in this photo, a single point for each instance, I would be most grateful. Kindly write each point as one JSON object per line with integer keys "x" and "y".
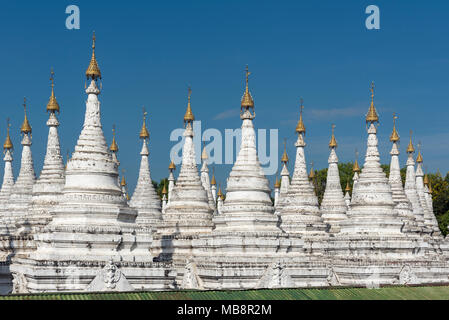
{"x": 74, "y": 229}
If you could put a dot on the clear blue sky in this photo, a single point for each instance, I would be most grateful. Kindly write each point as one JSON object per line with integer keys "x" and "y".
{"x": 149, "y": 52}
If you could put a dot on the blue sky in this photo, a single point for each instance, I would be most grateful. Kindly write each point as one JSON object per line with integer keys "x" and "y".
{"x": 149, "y": 52}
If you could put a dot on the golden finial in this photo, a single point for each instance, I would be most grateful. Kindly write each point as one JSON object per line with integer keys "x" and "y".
{"x": 277, "y": 183}
{"x": 213, "y": 182}
{"x": 419, "y": 157}
{"x": 430, "y": 187}
{"x": 426, "y": 180}
{"x": 26, "y": 128}
{"x": 372, "y": 113}
{"x": 300, "y": 128}
{"x": 164, "y": 189}
{"x": 172, "y": 166}
{"x": 247, "y": 99}
{"x": 8, "y": 143}
{"x": 312, "y": 172}
{"x": 52, "y": 104}
{"x": 348, "y": 187}
{"x": 394, "y": 135}
{"x": 355, "y": 167}
{"x": 189, "y": 117}
{"x": 204, "y": 156}
{"x": 410, "y": 148}
{"x": 219, "y": 193}
{"x": 284, "y": 158}
{"x": 123, "y": 182}
{"x": 144, "y": 134}
{"x": 93, "y": 71}
{"x": 114, "y": 146}
{"x": 127, "y": 197}
{"x": 333, "y": 142}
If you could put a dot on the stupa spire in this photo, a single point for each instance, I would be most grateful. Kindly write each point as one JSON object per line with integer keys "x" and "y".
{"x": 429, "y": 218}
{"x": 300, "y": 128}
{"x": 25, "y": 129}
{"x": 277, "y": 186}
{"x": 247, "y": 99}
{"x": 372, "y": 214}
{"x": 47, "y": 191}
{"x": 403, "y": 207}
{"x": 8, "y": 177}
{"x": 189, "y": 117}
{"x": 333, "y": 141}
{"x": 8, "y": 143}
{"x": 299, "y": 209}
{"x": 248, "y": 204}
{"x": 145, "y": 199}
{"x": 21, "y": 192}
{"x": 333, "y": 206}
{"x": 347, "y": 194}
{"x": 371, "y": 116}
{"x": 410, "y": 185}
{"x": 52, "y": 105}
{"x": 171, "y": 179}
{"x": 114, "y": 146}
{"x": 93, "y": 71}
{"x": 144, "y": 134}
{"x": 205, "y": 178}
{"x": 188, "y": 211}
{"x": 355, "y": 169}
{"x": 285, "y": 174}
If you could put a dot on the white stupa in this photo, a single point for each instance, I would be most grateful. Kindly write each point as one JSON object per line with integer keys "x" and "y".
{"x": 429, "y": 217}
{"x": 410, "y": 187}
{"x": 205, "y": 179}
{"x": 8, "y": 176}
{"x": 17, "y": 208}
{"x": 299, "y": 209}
{"x": 248, "y": 206}
{"x": 403, "y": 206}
{"x": 145, "y": 199}
{"x": 188, "y": 213}
{"x": 47, "y": 190}
{"x": 347, "y": 195}
{"x": 285, "y": 175}
{"x": 372, "y": 203}
{"x": 333, "y": 206}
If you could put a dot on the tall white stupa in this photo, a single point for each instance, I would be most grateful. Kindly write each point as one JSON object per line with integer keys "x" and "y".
{"x": 372, "y": 203}
{"x": 17, "y": 217}
{"x": 8, "y": 176}
{"x": 145, "y": 199}
{"x": 47, "y": 191}
{"x": 188, "y": 213}
{"x": 402, "y": 205}
{"x": 410, "y": 188}
{"x": 298, "y": 209}
{"x": 333, "y": 207}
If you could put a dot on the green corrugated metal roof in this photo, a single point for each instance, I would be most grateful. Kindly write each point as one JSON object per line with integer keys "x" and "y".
{"x": 386, "y": 293}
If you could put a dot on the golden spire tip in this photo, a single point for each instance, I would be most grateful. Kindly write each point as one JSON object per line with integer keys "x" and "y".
{"x": 144, "y": 134}
{"x": 333, "y": 142}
